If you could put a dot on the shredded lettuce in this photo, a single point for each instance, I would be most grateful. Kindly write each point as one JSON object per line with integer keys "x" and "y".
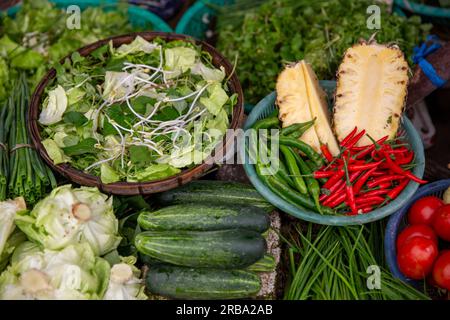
{"x": 55, "y": 107}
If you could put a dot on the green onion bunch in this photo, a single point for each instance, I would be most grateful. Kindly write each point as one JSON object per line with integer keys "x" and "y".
{"x": 27, "y": 175}
{"x": 332, "y": 263}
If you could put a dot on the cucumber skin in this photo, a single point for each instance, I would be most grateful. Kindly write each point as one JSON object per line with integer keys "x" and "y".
{"x": 203, "y": 249}
{"x": 202, "y": 217}
{"x": 266, "y": 264}
{"x": 212, "y": 191}
{"x": 189, "y": 283}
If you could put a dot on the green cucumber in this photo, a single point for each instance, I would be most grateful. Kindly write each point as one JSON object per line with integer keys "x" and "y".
{"x": 211, "y": 191}
{"x": 203, "y": 217}
{"x": 266, "y": 264}
{"x": 188, "y": 283}
{"x": 203, "y": 249}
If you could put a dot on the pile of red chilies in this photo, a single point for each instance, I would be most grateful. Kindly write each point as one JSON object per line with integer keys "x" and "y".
{"x": 362, "y": 179}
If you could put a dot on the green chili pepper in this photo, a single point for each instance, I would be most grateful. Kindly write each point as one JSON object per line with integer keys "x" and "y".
{"x": 294, "y": 196}
{"x": 304, "y": 148}
{"x": 266, "y": 123}
{"x": 311, "y": 183}
{"x": 291, "y": 164}
{"x": 296, "y": 130}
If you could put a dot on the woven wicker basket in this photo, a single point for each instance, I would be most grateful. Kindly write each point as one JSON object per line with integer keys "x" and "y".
{"x": 143, "y": 188}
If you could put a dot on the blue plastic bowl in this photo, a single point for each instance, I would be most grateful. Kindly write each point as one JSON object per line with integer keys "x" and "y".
{"x": 398, "y": 221}
{"x": 266, "y": 106}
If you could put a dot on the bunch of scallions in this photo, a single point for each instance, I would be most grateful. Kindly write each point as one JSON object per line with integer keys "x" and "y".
{"x": 342, "y": 263}
{"x": 22, "y": 172}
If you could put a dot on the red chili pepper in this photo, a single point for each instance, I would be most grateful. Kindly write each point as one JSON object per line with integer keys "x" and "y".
{"x": 326, "y": 152}
{"x": 336, "y": 201}
{"x": 358, "y": 184}
{"x": 354, "y": 140}
{"x": 333, "y": 190}
{"x": 349, "y": 189}
{"x": 335, "y": 178}
{"x": 337, "y": 187}
{"x": 369, "y": 200}
{"x": 323, "y": 174}
{"x": 397, "y": 169}
{"x": 369, "y": 149}
{"x": 377, "y": 173}
{"x": 384, "y": 185}
{"x": 386, "y": 178}
{"x": 406, "y": 159}
{"x": 364, "y": 209}
{"x": 348, "y": 137}
{"x": 396, "y": 191}
{"x": 365, "y": 166}
{"x": 378, "y": 192}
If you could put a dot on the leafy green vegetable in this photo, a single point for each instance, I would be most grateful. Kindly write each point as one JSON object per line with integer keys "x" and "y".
{"x": 108, "y": 174}
{"x": 56, "y": 105}
{"x": 139, "y": 112}
{"x": 37, "y": 36}
{"x": 84, "y": 146}
{"x": 154, "y": 172}
{"x": 54, "y": 152}
{"x": 76, "y": 118}
{"x": 266, "y": 34}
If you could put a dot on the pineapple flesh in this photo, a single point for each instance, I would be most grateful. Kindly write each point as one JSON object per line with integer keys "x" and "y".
{"x": 319, "y": 109}
{"x": 371, "y": 91}
{"x": 300, "y": 99}
{"x": 292, "y": 101}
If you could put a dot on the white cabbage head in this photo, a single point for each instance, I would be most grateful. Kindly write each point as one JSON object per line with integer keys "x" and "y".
{"x": 69, "y": 216}
{"x": 124, "y": 282}
{"x": 73, "y": 273}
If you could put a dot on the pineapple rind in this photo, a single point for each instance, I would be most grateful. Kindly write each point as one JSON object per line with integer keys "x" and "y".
{"x": 371, "y": 91}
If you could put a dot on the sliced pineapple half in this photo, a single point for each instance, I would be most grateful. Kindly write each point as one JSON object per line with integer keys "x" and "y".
{"x": 371, "y": 91}
{"x": 300, "y": 99}
{"x": 293, "y": 104}
{"x": 319, "y": 109}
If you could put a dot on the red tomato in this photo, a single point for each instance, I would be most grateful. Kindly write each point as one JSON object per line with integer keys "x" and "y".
{"x": 419, "y": 230}
{"x": 421, "y": 212}
{"x": 416, "y": 257}
{"x": 441, "y": 270}
{"x": 441, "y": 222}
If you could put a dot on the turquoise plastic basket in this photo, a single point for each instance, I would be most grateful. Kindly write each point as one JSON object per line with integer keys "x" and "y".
{"x": 265, "y": 107}
{"x": 428, "y": 13}
{"x": 138, "y": 17}
{"x": 196, "y": 20}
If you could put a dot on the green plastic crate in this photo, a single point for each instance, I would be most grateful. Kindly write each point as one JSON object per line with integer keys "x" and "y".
{"x": 266, "y": 106}
{"x": 138, "y": 17}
